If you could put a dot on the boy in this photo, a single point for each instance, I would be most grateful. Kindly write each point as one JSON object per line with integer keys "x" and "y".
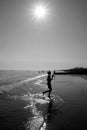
{"x": 49, "y": 79}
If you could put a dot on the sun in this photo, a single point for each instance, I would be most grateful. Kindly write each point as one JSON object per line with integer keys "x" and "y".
{"x": 40, "y": 11}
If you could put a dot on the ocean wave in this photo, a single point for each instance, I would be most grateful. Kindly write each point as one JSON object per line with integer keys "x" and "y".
{"x": 11, "y": 86}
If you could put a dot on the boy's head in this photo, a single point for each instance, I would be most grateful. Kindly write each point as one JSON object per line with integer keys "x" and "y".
{"x": 49, "y": 73}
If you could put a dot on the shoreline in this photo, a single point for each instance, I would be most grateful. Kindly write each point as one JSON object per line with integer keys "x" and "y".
{"x": 7, "y": 88}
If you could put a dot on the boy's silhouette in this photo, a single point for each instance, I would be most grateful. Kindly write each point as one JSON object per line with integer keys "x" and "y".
{"x": 49, "y": 79}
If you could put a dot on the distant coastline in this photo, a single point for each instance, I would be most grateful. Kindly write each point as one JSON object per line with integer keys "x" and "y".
{"x": 76, "y": 70}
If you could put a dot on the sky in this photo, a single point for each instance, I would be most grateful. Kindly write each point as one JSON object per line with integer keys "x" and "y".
{"x": 58, "y": 42}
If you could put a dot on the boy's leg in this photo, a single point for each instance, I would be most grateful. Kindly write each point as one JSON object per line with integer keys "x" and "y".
{"x": 49, "y": 93}
{"x": 46, "y": 91}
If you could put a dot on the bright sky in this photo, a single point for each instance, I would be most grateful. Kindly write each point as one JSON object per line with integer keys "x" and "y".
{"x": 59, "y": 41}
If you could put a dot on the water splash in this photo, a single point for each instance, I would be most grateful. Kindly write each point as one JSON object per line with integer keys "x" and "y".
{"x": 41, "y": 107}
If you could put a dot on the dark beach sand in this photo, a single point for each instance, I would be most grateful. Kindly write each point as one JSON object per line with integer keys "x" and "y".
{"x": 25, "y": 108}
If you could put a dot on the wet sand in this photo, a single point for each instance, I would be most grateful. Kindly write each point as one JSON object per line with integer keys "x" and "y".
{"x": 25, "y": 108}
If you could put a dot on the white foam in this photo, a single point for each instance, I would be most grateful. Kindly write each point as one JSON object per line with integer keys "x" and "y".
{"x": 41, "y": 101}
{"x": 43, "y": 127}
{"x": 39, "y": 82}
{"x": 31, "y": 79}
{"x": 11, "y": 86}
{"x": 28, "y": 106}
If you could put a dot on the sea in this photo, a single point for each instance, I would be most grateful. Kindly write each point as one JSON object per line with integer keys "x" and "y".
{"x": 24, "y": 107}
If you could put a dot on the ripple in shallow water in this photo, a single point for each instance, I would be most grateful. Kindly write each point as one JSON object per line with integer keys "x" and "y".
{"x": 40, "y": 107}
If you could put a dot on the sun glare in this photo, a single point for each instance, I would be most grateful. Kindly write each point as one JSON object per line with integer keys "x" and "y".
{"x": 40, "y": 11}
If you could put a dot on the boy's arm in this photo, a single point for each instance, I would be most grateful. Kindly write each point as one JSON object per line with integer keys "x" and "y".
{"x": 52, "y": 77}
